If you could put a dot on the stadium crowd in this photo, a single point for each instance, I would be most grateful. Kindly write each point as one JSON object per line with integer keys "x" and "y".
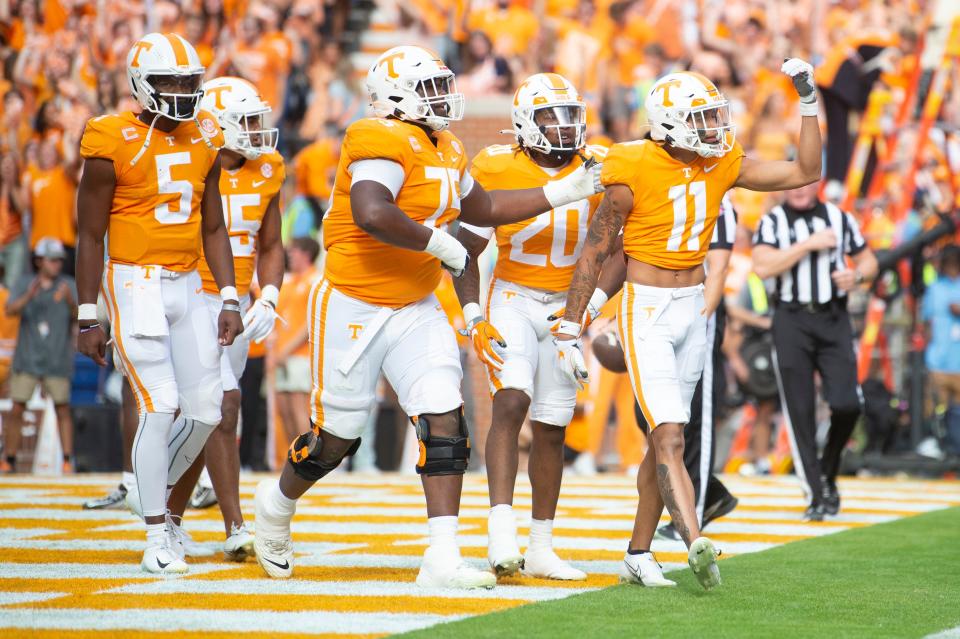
{"x": 63, "y": 62}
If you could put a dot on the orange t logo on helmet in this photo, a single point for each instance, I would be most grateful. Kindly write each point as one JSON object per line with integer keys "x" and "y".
{"x": 388, "y": 60}
{"x": 665, "y": 88}
{"x": 142, "y": 45}
{"x": 217, "y": 93}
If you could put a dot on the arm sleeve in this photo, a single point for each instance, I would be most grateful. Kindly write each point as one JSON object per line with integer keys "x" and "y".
{"x": 466, "y": 184}
{"x": 853, "y": 241}
{"x": 388, "y": 173}
{"x": 767, "y": 232}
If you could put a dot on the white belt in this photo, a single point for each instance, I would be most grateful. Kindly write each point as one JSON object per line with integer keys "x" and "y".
{"x": 670, "y": 295}
{"x": 365, "y": 338}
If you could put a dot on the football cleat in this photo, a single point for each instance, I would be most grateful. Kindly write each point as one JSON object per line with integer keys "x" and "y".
{"x": 162, "y": 559}
{"x": 504, "y": 555}
{"x": 182, "y": 543}
{"x": 272, "y": 544}
{"x": 132, "y": 500}
{"x": 545, "y": 564}
{"x": 643, "y": 569}
{"x": 111, "y": 501}
{"x": 831, "y": 496}
{"x": 437, "y": 571}
{"x": 239, "y": 545}
{"x": 814, "y": 512}
{"x": 203, "y": 497}
{"x": 702, "y": 558}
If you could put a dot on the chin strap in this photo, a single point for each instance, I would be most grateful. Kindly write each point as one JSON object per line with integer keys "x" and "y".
{"x": 146, "y": 141}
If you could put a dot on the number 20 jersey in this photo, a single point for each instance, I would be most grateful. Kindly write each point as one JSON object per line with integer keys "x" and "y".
{"x": 540, "y": 252}
{"x": 361, "y": 266}
{"x": 155, "y": 214}
{"x": 675, "y": 205}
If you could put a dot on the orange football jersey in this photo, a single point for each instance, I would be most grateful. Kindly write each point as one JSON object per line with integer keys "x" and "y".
{"x": 53, "y": 199}
{"x": 155, "y": 216}
{"x": 246, "y": 194}
{"x": 369, "y": 270}
{"x": 675, "y": 205}
{"x": 540, "y": 252}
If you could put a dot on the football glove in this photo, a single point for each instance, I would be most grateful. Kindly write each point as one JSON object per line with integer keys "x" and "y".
{"x": 483, "y": 335}
{"x": 570, "y": 360}
{"x": 259, "y": 320}
{"x": 581, "y": 183}
{"x": 801, "y": 72}
{"x": 451, "y": 253}
{"x": 597, "y": 300}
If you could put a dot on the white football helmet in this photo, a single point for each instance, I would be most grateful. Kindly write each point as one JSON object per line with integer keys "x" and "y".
{"x": 166, "y": 59}
{"x": 239, "y": 111}
{"x": 687, "y": 110}
{"x": 414, "y": 84}
{"x": 548, "y": 101}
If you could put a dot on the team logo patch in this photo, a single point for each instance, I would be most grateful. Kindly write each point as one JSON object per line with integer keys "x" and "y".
{"x": 208, "y": 126}
{"x": 456, "y": 146}
{"x": 414, "y": 144}
{"x": 266, "y": 170}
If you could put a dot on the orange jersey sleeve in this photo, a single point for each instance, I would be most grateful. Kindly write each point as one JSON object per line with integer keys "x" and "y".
{"x": 365, "y": 268}
{"x": 246, "y": 194}
{"x": 155, "y": 215}
{"x": 675, "y": 205}
{"x": 540, "y": 252}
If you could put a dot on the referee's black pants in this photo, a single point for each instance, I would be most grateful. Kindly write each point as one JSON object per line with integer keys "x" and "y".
{"x": 806, "y": 342}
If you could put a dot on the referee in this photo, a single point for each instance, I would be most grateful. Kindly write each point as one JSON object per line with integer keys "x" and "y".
{"x": 804, "y": 244}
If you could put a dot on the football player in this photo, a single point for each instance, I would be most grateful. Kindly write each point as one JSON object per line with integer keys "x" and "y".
{"x": 401, "y": 180}
{"x": 665, "y": 194}
{"x": 535, "y": 260}
{"x": 251, "y": 175}
{"x": 151, "y": 180}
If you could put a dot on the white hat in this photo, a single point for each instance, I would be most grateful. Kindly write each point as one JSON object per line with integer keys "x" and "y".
{"x": 50, "y": 248}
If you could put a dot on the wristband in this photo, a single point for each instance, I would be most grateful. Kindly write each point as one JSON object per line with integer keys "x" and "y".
{"x": 229, "y": 293}
{"x": 569, "y": 328}
{"x": 271, "y": 294}
{"x": 86, "y": 312}
{"x": 809, "y": 109}
{"x": 598, "y": 299}
{"x": 85, "y": 329}
{"x": 230, "y": 305}
{"x": 472, "y": 314}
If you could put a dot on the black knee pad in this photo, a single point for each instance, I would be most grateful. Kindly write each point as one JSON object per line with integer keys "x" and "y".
{"x": 442, "y": 455}
{"x": 305, "y": 458}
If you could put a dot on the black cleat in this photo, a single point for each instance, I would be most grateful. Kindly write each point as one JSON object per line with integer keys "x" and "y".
{"x": 109, "y": 502}
{"x": 814, "y": 512}
{"x": 831, "y": 496}
{"x": 668, "y": 531}
{"x": 720, "y": 508}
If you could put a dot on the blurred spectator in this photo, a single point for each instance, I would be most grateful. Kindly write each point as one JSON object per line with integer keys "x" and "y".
{"x": 289, "y": 354}
{"x": 488, "y": 73}
{"x": 51, "y": 188}
{"x": 46, "y": 304}
{"x": 509, "y": 24}
{"x": 13, "y": 245}
{"x": 941, "y": 310}
{"x": 315, "y": 168}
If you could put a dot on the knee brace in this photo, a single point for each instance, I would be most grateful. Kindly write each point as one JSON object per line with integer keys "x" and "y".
{"x": 442, "y": 455}
{"x": 306, "y": 456}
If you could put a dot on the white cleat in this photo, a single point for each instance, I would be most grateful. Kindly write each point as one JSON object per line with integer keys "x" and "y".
{"x": 182, "y": 543}
{"x": 272, "y": 544}
{"x": 643, "y": 569}
{"x": 702, "y": 558}
{"x": 504, "y": 554}
{"x": 132, "y": 500}
{"x": 162, "y": 560}
{"x": 439, "y": 572}
{"x": 239, "y": 545}
{"x": 545, "y": 564}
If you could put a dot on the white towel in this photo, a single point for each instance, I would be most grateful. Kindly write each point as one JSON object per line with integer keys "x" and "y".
{"x": 366, "y": 336}
{"x": 149, "y": 318}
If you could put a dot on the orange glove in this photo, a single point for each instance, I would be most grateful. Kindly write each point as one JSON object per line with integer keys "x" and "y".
{"x": 483, "y": 333}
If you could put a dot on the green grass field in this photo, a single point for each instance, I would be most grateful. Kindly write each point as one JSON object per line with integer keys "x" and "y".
{"x": 900, "y": 579}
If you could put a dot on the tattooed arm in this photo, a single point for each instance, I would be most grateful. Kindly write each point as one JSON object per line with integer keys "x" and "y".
{"x": 604, "y": 228}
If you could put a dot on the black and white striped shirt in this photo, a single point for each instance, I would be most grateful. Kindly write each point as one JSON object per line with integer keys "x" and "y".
{"x": 809, "y": 281}
{"x": 725, "y": 232}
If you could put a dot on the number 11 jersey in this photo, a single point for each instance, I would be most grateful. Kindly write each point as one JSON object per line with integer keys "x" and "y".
{"x": 675, "y": 205}
{"x": 155, "y": 214}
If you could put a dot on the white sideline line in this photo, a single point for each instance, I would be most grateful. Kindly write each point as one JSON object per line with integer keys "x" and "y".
{"x": 949, "y": 633}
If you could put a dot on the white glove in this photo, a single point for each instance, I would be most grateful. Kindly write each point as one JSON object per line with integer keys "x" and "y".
{"x": 570, "y": 360}
{"x": 801, "y": 72}
{"x": 582, "y": 182}
{"x": 259, "y": 320}
{"x": 597, "y": 300}
{"x": 451, "y": 253}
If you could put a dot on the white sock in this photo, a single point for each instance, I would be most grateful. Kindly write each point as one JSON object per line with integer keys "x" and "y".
{"x": 443, "y": 534}
{"x": 129, "y": 480}
{"x": 501, "y": 520}
{"x": 279, "y": 505}
{"x": 155, "y": 534}
{"x": 150, "y": 461}
{"x": 186, "y": 442}
{"x": 541, "y": 534}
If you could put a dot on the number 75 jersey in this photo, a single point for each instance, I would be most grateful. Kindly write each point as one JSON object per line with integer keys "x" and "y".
{"x": 155, "y": 214}
{"x": 540, "y": 252}
{"x": 675, "y": 205}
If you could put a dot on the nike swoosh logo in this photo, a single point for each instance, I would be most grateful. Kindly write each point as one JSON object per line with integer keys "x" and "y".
{"x": 707, "y": 169}
{"x": 195, "y": 140}
{"x": 162, "y": 565}
{"x": 284, "y": 566}
{"x": 260, "y": 183}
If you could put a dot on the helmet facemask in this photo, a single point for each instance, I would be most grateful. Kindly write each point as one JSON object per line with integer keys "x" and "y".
{"x": 438, "y": 102}
{"x": 245, "y": 134}
{"x": 557, "y": 129}
{"x": 706, "y": 130}
{"x": 175, "y": 96}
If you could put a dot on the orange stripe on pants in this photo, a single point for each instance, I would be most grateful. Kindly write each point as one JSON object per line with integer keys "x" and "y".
{"x": 316, "y": 348}
{"x": 144, "y": 402}
{"x": 631, "y": 355}
{"x": 490, "y": 372}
